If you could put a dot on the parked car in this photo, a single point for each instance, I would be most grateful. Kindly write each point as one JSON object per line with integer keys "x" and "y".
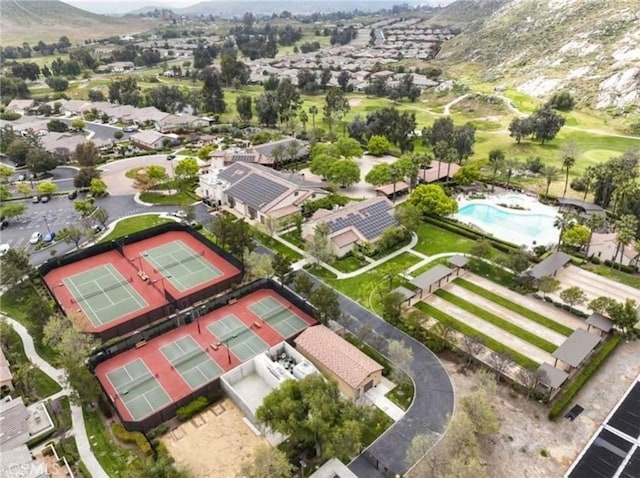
{"x": 35, "y": 199}
{"x": 49, "y": 237}
{"x": 181, "y": 214}
{"x": 170, "y": 157}
{"x": 21, "y": 177}
{"x": 130, "y": 129}
{"x": 45, "y": 198}
{"x": 3, "y": 249}
{"x": 72, "y": 195}
{"x": 3, "y": 225}
{"x": 35, "y": 238}
{"x": 96, "y": 228}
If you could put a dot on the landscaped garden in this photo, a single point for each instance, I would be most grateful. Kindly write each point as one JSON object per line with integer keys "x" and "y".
{"x": 133, "y": 224}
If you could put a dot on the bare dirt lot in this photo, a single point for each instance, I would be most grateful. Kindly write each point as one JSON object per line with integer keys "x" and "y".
{"x": 215, "y": 443}
{"x": 526, "y": 430}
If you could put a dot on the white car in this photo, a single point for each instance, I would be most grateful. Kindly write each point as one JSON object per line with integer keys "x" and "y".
{"x": 35, "y": 238}
{"x": 3, "y": 249}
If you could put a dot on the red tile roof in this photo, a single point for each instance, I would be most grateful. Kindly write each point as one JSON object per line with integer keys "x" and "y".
{"x": 337, "y": 355}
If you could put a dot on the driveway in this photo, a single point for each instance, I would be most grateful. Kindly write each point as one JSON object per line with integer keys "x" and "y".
{"x": 101, "y": 131}
{"x": 433, "y": 402}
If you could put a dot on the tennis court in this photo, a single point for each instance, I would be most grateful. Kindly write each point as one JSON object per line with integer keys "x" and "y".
{"x": 239, "y": 338}
{"x": 191, "y": 361}
{"x": 103, "y": 294}
{"x": 138, "y": 389}
{"x": 284, "y": 320}
{"x": 181, "y": 265}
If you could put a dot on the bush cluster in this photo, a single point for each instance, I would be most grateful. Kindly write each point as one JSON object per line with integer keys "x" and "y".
{"x": 188, "y": 411}
{"x": 133, "y": 438}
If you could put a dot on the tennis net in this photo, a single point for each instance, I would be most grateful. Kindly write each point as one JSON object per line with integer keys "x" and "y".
{"x": 233, "y": 334}
{"x": 101, "y": 290}
{"x": 134, "y": 383}
{"x": 275, "y": 313}
{"x": 186, "y": 357}
{"x": 170, "y": 265}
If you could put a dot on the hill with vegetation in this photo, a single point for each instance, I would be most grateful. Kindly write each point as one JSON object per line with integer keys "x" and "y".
{"x": 48, "y": 20}
{"x": 590, "y": 47}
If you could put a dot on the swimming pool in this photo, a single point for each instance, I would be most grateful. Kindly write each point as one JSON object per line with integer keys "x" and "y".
{"x": 530, "y": 228}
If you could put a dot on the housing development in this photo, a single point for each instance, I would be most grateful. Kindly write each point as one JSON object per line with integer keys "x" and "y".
{"x": 247, "y": 239}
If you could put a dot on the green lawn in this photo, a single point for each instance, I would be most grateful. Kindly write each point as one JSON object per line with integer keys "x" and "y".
{"x": 274, "y": 245}
{"x": 491, "y": 272}
{"x": 430, "y": 265}
{"x": 114, "y": 459}
{"x": 402, "y": 395}
{"x": 369, "y": 285}
{"x": 294, "y": 238}
{"x": 349, "y": 264}
{"x": 134, "y": 224}
{"x": 632, "y": 280}
{"x": 517, "y": 308}
{"x": 433, "y": 240}
{"x": 471, "y": 332}
{"x": 168, "y": 199}
{"x": 505, "y": 325}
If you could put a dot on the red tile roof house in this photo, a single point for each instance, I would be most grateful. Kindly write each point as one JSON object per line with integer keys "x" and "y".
{"x": 354, "y": 371}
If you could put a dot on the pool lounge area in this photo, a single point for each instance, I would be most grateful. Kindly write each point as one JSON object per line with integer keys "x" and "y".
{"x": 515, "y": 218}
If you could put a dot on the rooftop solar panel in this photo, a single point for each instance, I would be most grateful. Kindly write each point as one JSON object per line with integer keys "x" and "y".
{"x": 632, "y": 469}
{"x": 604, "y": 457}
{"x": 627, "y": 416}
{"x": 256, "y": 191}
{"x": 370, "y": 220}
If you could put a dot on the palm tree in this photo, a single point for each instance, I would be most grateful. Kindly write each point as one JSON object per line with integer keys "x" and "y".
{"x": 277, "y": 154}
{"x": 561, "y": 222}
{"x": 424, "y": 162}
{"x": 396, "y": 175}
{"x": 595, "y": 222}
{"x": 589, "y": 176}
{"x": 496, "y": 160}
{"x": 568, "y": 161}
{"x": 621, "y": 192}
{"x": 313, "y": 111}
{"x": 550, "y": 174}
{"x": 304, "y": 118}
{"x": 512, "y": 165}
{"x": 292, "y": 150}
{"x": 626, "y": 228}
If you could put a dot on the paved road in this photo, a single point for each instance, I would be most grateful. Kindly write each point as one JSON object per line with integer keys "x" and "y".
{"x": 100, "y": 131}
{"x": 433, "y": 402}
{"x": 77, "y": 419}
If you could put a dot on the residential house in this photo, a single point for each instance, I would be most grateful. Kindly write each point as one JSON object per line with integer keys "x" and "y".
{"x": 353, "y": 370}
{"x": 259, "y": 193}
{"x": 73, "y": 107}
{"x": 148, "y": 115}
{"x": 266, "y": 151}
{"x": 438, "y": 171}
{"x": 355, "y": 224}
{"x": 606, "y": 247}
{"x": 180, "y": 123}
{"x": 19, "y": 462}
{"x": 64, "y": 144}
{"x": 121, "y": 66}
{"x": 6, "y": 378}
{"x": 149, "y": 139}
{"x": 21, "y": 107}
{"x": 14, "y": 423}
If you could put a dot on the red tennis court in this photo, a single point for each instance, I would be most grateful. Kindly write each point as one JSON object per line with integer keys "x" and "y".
{"x": 103, "y": 291}
{"x": 179, "y": 263}
{"x": 192, "y": 355}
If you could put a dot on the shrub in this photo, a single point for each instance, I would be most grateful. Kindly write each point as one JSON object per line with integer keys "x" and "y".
{"x": 132, "y": 438}
{"x": 328, "y": 202}
{"x": 573, "y": 387}
{"x": 158, "y": 431}
{"x": 9, "y": 115}
{"x": 105, "y": 408}
{"x": 620, "y": 267}
{"x": 185, "y": 413}
{"x": 595, "y": 260}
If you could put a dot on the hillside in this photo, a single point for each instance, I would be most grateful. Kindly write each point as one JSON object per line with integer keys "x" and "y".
{"x": 591, "y": 47}
{"x": 48, "y": 20}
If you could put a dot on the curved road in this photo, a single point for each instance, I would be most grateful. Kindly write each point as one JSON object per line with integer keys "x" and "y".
{"x": 433, "y": 401}
{"x": 77, "y": 419}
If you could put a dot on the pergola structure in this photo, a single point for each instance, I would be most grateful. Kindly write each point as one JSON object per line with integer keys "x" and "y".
{"x": 431, "y": 280}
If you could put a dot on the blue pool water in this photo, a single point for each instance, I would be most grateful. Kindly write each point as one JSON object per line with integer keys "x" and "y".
{"x": 518, "y": 227}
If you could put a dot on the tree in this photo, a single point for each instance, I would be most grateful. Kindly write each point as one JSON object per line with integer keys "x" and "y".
{"x": 431, "y": 199}
{"x": 87, "y": 154}
{"x": 409, "y": 216}
{"x": 78, "y": 124}
{"x": 344, "y": 172}
{"x": 282, "y": 268}
{"x": 211, "y": 94}
{"x": 24, "y": 189}
{"x": 322, "y": 164}
{"x": 244, "y": 107}
{"x": 482, "y": 249}
{"x": 304, "y": 119}
{"x": 288, "y": 100}
{"x": 318, "y": 248}
{"x": 84, "y": 176}
{"x": 101, "y": 216}
{"x": 546, "y": 124}
{"x": 325, "y": 300}
{"x": 530, "y": 379}
{"x": 13, "y": 210}
{"x": 378, "y": 145}
{"x": 259, "y": 265}
{"x": 500, "y": 362}
{"x": 125, "y": 91}
{"x": 335, "y": 104}
{"x": 303, "y": 284}
{"x": 462, "y": 141}
{"x": 624, "y": 314}
{"x": 57, "y": 126}
{"x": 548, "y": 285}
{"x": 73, "y": 347}
{"x": 600, "y": 305}
{"x": 312, "y": 413}
{"x": 520, "y": 128}
{"x": 47, "y": 188}
{"x": 391, "y": 304}
{"x": 576, "y": 236}
{"x": 277, "y": 154}
{"x": 347, "y": 148}
{"x": 186, "y": 171}
{"x": 568, "y": 161}
{"x": 550, "y": 174}
{"x": 5, "y": 173}
{"x": 472, "y": 345}
{"x": 57, "y": 83}
{"x": 562, "y": 222}
{"x": 40, "y": 161}
{"x": 267, "y": 108}
{"x": 313, "y": 111}
{"x": 98, "y": 187}
{"x": 561, "y": 100}
{"x": 75, "y": 235}
{"x": 15, "y": 267}
{"x": 268, "y": 462}
{"x": 240, "y": 241}
{"x": 379, "y": 175}
{"x": 626, "y": 230}
{"x": 467, "y": 174}
{"x": 343, "y": 79}
{"x": 402, "y": 358}
{"x": 573, "y": 295}
{"x": 478, "y": 406}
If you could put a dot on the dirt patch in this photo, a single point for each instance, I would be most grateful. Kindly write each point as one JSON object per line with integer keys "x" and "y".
{"x": 355, "y": 102}
{"x": 526, "y": 430}
{"x": 215, "y": 443}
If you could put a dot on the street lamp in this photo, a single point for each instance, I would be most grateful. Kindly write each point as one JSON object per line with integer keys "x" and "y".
{"x": 139, "y": 259}
{"x": 226, "y": 344}
{"x": 161, "y": 280}
{"x": 47, "y": 224}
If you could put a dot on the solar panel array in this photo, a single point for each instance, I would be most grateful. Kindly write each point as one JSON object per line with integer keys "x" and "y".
{"x": 234, "y": 172}
{"x": 243, "y": 158}
{"x": 615, "y": 449}
{"x": 256, "y": 191}
{"x": 370, "y": 220}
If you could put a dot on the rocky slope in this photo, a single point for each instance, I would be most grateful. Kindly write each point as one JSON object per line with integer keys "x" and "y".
{"x": 591, "y": 47}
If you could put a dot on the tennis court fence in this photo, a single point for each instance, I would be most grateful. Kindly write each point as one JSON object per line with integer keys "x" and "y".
{"x": 101, "y": 291}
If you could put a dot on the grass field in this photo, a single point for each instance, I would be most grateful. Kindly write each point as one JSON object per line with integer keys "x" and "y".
{"x": 133, "y": 224}
{"x": 433, "y": 240}
{"x": 628, "y": 279}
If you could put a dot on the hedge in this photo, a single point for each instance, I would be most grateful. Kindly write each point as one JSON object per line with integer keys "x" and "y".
{"x": 133, "y": 438}
{"x": 620, "y": 267}
{"x": 189, "y": 410}
{"x": 387, "y": 367}
{"x": 573, "y": 387}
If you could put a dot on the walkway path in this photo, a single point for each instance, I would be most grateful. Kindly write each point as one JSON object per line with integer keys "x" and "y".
{"x": 432, "y": 404}
{"x": 77, "y": 419}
